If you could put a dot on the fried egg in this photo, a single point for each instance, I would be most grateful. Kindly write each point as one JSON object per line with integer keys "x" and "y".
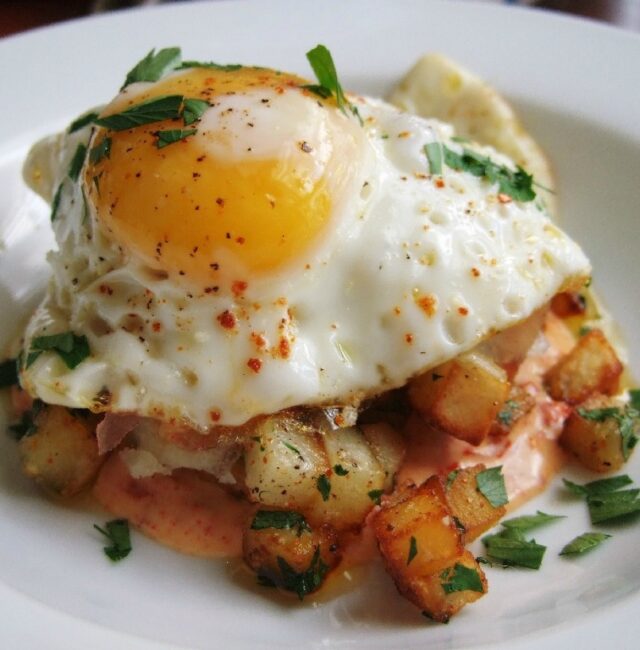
{"x": 275, "y": 252}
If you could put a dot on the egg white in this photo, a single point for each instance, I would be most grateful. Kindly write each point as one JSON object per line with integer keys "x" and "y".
{"x": 414, "y": 270}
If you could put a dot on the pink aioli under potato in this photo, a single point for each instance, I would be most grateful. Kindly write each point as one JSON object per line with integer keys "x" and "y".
{"x": 530, "y": 454}
{"x": 186, "y": 511}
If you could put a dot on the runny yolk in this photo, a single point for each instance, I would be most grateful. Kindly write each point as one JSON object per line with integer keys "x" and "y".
{"x": 181, "y": 210}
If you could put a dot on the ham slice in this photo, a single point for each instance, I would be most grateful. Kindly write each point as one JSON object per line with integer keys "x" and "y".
{"x": 113, "y": 428}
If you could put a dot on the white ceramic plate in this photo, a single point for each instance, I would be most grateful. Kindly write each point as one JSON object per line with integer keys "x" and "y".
{"x": 576, "y": 84}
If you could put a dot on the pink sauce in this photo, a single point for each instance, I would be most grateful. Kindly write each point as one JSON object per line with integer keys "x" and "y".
{"x": 187, "y": 511}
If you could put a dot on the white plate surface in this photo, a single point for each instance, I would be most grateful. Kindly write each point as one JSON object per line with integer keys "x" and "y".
{"x": 576, "y": 85}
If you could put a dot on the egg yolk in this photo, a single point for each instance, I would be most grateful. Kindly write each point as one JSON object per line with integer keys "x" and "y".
{"x": 183, "y": 210}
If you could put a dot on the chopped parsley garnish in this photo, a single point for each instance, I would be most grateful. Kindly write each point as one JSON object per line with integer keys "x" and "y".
{"x": 628, "y": 420}
{"x": 584, "y": 330}
{"x": 433, "y": 151}
{"x": 117, "y": 532}
{"x": 451, "y": 477}
{"x": 584, "y": 543}
{"x": 340, "y": 471}
{"x": 71, "y": 348}
{"x": 413, "y": 550}
{"x": 491, "y": 485}
{"x": 8, "y": 373}
{"x": 154, "y": 66}
{"x": 510, "y": 547}
{"x": 306, "y": 582}
{"x": 228, "y": 67}
{"x": 193, "y": 110}
{"x": 516, "y": 184}
{"x": 82, "y": 121}
{"x": 505, "y": 416}
{"x": 281, "y": 520}
{"x": 77, "y": 162}
{"x": 613, "y": 505}
{"x": 634, "y": 398}
{"x": 157, "y": 109}
{"x": 328, "y": 85}
{"x": 375, "y": 495}
{"x": 55, "y": 203}
{"x": 460, "y": 578}
{"x": 27, "y": 425}
{"x": 100, "y": 151}
{"x": 290, "y": 447}
{"x": 165, "y": 138}
{"x": 324, "y": 486}
{"x": 528, "y": 522}
{"x": 601, "y": 486}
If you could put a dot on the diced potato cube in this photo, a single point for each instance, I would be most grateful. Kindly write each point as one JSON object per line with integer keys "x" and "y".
{"x": 62, "y": 454}
{"x": 519, "y": 402}
{"x": 416, "y": 533}
{"x": 355, "y": 472}
{"x": 295, "y": 559}
{"x": 462, "y": 397}
{"x": 569, "y": 303}
{"x": 469, "y": 506}
{"x": 435, "y": 597}
{"x": 388, "y": 447}
{"x": 592, "y": 366}
{"x": 596, "y": 445}
{"x": 282, "y": 463}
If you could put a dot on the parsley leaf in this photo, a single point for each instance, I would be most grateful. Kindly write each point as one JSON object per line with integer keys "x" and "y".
{"x": 290, "y": 447}
{"x": 491, "y": 484}
{"x": 340, "y": 471}
{"x": 613, "y": 505}
{"x": 598, "y": 415}
{"x": 634, "y": 398}
{"x": 451, "y": 477}
{"x": 413, "y": 550}
{"x": 154, "y": 66}
{"x": 165, "y": 138}
{"x": 8, "y": 373}
{"x": 505, "y": 416}
{"x": 324, "y": 486}
{"x": 460, "y": 578}
{"x": 305, "y": 582}
{"x": 117, "y": 532}
{"x": 601, "y": 486}
{"x": 157, "y": 109}
{"x": 528, "y": 522}
{"x": 229, "y": 67}
{"x": 375, "y": 495}
{"x": 281, "y": 520}
{"x": 433, "y": 151}
{"x": 193, "y": 110}
{"x": 516, "y": 184}
{"x": 325, "y": 70}
{"x": 71, "y": 348}
{"x": 77, "y": 162}
{"x": 81, "y": 122}
{"x": 583, "y": 543}
{"x": 100, "y": 151}
{"x": 513, "y": 550}
{"x": 27, "y": 425}
{"x": 55, "y": 203}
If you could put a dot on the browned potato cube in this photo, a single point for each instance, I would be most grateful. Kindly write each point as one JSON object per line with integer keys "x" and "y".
{"x": 295, "y": 558}
{"x": 519, "y": 402}
{"x": 62, "y": 454}
{"x": 569, "y": 303}
{"x": 592, "y": 366}
{"x": 462, "y": 397}
{"x": 416, "y": 533}
{"x": 469, "y": 506}
{"x": 441, "y": 595}
{"x": 596, "y": 444}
